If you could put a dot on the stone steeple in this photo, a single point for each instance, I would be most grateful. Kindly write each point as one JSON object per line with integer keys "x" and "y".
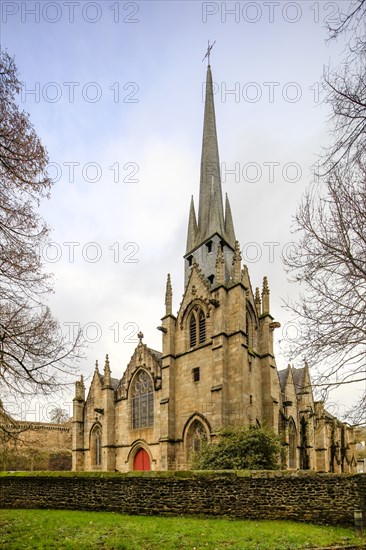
{"x": 212, "y": 227}
{"x": 211, "y": 219}
{"x": 210, "y": 212}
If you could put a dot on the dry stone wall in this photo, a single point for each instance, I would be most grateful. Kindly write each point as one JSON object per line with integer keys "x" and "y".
{"x": 300, "y": 496}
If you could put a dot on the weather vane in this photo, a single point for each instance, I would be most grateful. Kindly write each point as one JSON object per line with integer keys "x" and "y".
{"x": 209, "y": 48}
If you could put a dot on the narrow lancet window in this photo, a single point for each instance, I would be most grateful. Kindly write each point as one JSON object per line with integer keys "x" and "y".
{"x": 96, "y": 446}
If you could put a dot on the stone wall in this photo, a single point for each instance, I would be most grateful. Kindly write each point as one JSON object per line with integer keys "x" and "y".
{"x": 35, "y": 446}
{"x": 43, "y": 435}
{"x": 300, "y": 496}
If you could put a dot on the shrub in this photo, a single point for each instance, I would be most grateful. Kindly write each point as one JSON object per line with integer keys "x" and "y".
{"x": 240, "y": 448}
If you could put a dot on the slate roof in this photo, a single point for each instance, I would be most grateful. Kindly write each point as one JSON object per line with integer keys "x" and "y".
{"x": 114, "y": 381}
{"x": 157, "y": 354}
{"x": 299, "y": 377}
{"x": 282, "y": 375}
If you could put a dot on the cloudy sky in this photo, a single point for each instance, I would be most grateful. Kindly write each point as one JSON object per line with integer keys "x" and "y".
{"x": 114, "y": 90}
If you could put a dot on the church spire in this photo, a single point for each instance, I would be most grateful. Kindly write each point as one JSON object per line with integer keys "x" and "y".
{"x": 210, "y": 212}
{"x": 211, "y": 228}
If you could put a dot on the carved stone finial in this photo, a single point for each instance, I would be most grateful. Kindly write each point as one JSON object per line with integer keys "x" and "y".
{"x": 168, "y": 297}
{"x": 236, "y": 263}
{"x": 140, "y": 337}
{"x": 107, "y": 372}
{"x": 245, "y": 276}
{"x": 96, "y": 366}
{"x": 265, "y": 296}
{"x": 257, "y": 301}
{"x": 237, "y": 252}
{"x": 80, "y": 389}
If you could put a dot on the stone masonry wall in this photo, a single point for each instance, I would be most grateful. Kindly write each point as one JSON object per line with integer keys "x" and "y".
{"x": 318, "y": 498}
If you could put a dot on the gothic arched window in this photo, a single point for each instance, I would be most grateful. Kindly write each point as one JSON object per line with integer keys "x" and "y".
{"x": 142, "y": 400}
{"x": 197, "y": 327}
{"x": 196, "y": 436}
{"x": 96, "y": 446}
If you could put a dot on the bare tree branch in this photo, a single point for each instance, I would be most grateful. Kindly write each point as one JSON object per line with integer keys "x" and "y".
{"x": 34, "y": 356}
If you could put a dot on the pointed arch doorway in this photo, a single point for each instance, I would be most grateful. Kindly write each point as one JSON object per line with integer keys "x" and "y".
{"x": 141, "y": 460}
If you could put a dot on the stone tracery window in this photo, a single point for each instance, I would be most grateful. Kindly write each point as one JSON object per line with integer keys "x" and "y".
{"x": 196, "y": 436}
{"x": 197, "y": 327}
{"x": 142, "y": 400}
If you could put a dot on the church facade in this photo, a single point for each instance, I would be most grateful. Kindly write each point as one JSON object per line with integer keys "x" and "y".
{"x": 217, "y": 365}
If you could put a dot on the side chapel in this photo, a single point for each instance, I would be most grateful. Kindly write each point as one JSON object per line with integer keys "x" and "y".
{"x": 217, "y": 366}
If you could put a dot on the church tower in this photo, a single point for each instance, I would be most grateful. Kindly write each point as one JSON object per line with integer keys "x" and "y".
{"x": 218, "y": 351}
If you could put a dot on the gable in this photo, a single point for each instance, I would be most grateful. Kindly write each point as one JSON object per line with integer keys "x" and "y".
{"x": 143, "y": 357}
{"x": 95, "y": 386}
{"x": 197, "y": 291}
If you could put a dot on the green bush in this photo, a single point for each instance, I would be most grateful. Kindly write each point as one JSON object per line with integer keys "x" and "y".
{"x": 240, "y": 448}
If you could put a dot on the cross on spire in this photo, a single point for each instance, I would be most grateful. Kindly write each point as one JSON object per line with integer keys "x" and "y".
{"x": 209, "y": 48}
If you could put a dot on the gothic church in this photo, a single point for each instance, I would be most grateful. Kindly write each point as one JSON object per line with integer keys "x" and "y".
{"x": 217, "y": 366}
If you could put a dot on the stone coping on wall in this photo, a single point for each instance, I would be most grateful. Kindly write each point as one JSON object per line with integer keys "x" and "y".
{"x": 186, "y": 474}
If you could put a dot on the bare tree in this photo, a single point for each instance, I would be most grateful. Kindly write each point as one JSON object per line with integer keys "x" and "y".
{"x": 58, "y": 415}
{"x": 345, "y": 89}
{"x": 34, "y": 356}
{"x": 346, "y": 93}
{"x": 351, "y": 22}
{"x": 330, "y": 261}
{"x": 24, "y": 182}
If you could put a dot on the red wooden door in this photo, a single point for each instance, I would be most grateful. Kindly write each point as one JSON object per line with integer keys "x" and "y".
{"x": 141, "y": 460}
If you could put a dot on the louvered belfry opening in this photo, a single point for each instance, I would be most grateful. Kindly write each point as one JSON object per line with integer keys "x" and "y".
{"x": 202, "y": 327}
{"x": 193, "y": 330}
{"x": 197, "y": 327}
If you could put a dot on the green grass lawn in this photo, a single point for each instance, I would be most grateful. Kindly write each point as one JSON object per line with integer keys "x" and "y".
{"x": 51, "y": 529}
